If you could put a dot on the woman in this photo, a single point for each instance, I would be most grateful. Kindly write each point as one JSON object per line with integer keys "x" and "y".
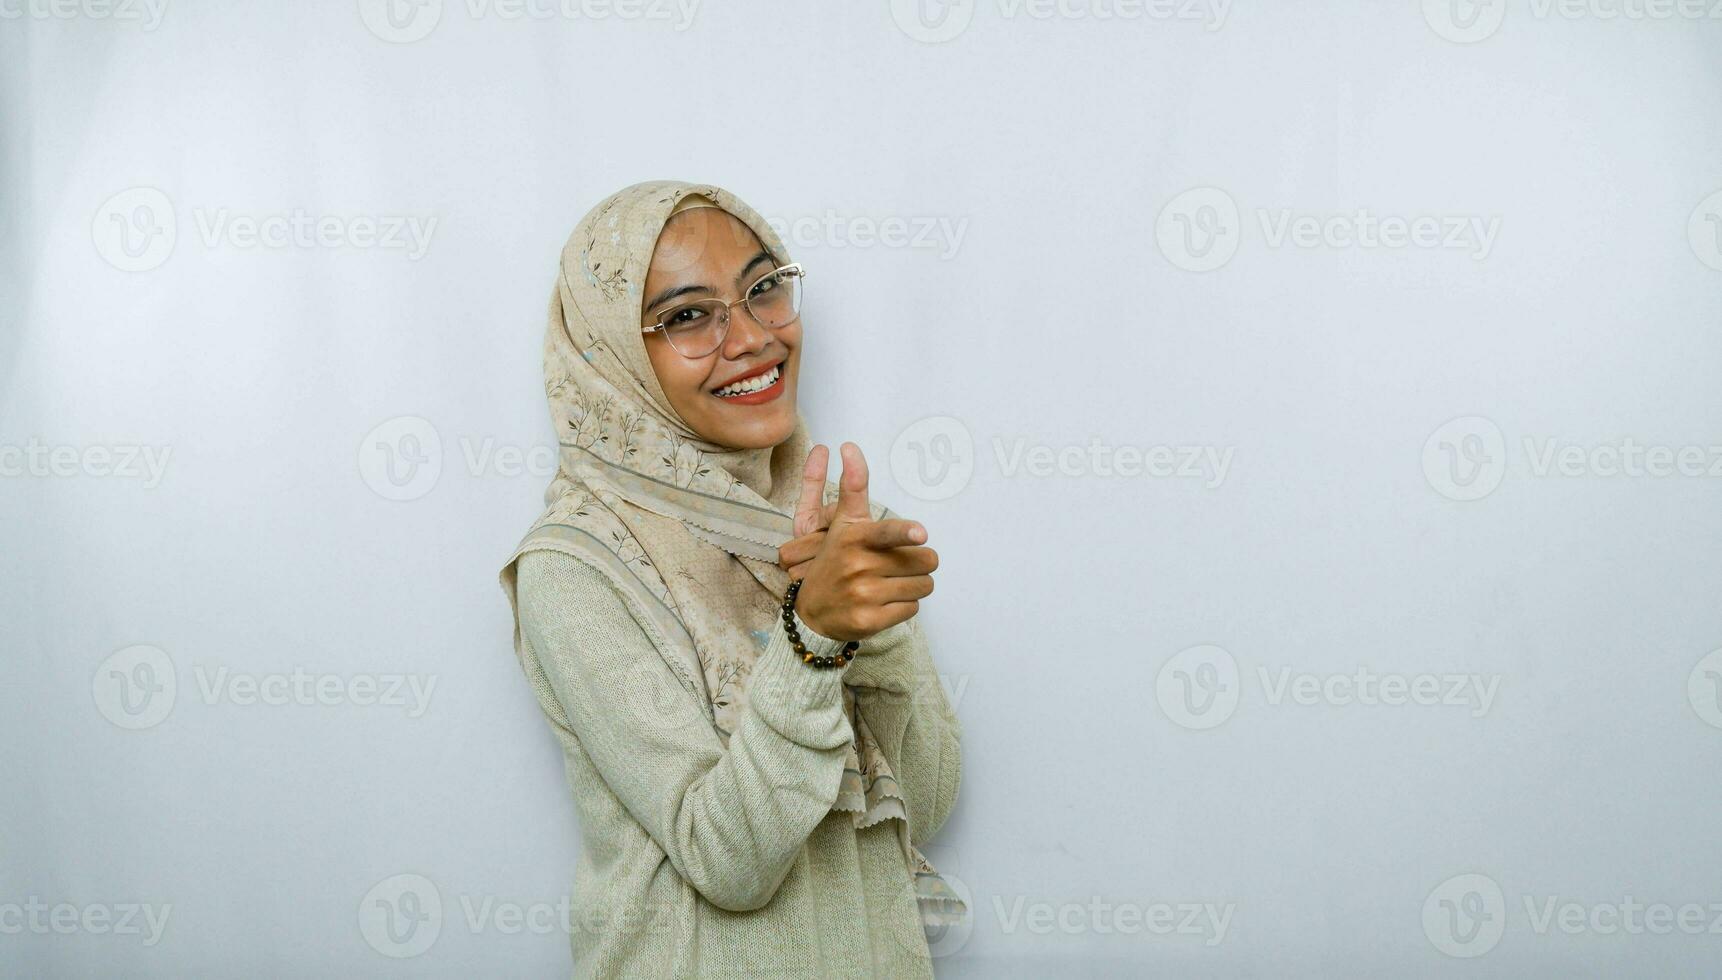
{"x": 753, "y": 764}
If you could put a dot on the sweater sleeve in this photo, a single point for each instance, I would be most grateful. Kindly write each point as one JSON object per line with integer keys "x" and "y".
{"x": 903, "y": 700}
{"x": 731, "y": 821}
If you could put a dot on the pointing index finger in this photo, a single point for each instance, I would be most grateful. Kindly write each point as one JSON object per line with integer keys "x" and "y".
{"x": 894, "y": 533}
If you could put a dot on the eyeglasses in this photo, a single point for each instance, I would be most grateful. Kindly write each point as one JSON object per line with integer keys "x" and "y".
{"x": 696, "y": 329}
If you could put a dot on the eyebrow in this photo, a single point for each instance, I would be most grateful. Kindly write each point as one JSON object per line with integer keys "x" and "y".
{"x": 675, "y": 291}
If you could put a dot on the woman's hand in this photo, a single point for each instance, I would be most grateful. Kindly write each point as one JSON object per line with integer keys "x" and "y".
{"x": 859, "y": 576}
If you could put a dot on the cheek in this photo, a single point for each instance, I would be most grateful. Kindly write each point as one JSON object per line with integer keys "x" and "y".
{"x": 680, "y": 378}
{"x": 791, "y": 338}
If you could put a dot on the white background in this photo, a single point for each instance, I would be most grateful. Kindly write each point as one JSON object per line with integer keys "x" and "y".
{"x": 1086, "y": 304}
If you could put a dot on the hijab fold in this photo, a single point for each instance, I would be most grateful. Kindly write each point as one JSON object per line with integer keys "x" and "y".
{"x": 686, "y": 530}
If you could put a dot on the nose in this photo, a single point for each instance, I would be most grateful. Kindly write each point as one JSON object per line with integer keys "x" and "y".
{"x": 746, "y": 335}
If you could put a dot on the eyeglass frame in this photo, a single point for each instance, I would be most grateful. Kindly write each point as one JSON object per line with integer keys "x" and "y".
{"x": 728, "y": 308}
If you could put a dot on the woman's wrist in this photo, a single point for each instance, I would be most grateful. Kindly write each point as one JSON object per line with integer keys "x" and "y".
{"x": 815, "y": 641}
{"x": 814, "y": 649}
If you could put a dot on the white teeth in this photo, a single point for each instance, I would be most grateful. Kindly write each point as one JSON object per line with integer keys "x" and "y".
{"x": 754, "y": 383}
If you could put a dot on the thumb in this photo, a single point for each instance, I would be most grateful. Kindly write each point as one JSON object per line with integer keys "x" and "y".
{"x": 852, "y": 488}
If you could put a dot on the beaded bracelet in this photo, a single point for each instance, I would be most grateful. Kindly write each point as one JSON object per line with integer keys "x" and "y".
{"x": 807, "y": 657}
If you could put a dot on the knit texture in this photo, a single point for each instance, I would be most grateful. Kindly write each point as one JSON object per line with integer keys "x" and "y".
{"x": 699, "y": 859}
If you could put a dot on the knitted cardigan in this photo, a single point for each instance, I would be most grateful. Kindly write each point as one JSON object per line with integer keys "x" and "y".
{"x": 697, "y": 860}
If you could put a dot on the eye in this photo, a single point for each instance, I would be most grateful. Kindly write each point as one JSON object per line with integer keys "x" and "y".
{"x": 684, "y": 316}
{"x": 764, "y": 286}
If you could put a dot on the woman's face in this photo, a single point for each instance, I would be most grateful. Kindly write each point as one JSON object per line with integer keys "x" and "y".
{"x": 706, "y": 253}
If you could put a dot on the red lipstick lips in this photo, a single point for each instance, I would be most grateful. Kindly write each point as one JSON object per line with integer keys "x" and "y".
{"x": 766, "y": 394}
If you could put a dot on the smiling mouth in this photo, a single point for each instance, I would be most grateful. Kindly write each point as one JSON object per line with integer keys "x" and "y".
{"x": 752, "y": 384}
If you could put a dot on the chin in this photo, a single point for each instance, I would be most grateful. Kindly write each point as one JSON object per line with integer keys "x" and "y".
{"x": 757, "y": 433}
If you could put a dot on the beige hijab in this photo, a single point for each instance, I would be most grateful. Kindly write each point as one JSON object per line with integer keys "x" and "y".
{"x": 686, "y": 530}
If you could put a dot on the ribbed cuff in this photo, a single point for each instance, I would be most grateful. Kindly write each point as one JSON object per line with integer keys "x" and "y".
{"x": 802, "y": 703}
{"x": 886, "y": 660}
{"x": 816, "y": 644}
